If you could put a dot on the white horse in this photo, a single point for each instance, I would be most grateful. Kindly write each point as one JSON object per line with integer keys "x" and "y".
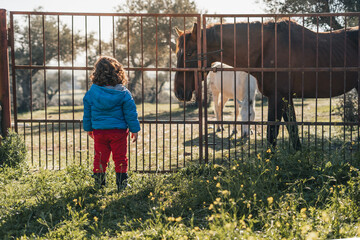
{"x": 245, "y": 83}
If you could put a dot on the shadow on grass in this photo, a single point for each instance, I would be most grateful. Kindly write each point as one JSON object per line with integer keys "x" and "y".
{"x": 51, "y": 215}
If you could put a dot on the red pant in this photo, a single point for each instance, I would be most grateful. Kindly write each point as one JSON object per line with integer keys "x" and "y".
{"x": 107, "y": 141}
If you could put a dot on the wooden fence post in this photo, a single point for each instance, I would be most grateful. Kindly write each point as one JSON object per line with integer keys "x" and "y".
{"x": 4, "y": 76}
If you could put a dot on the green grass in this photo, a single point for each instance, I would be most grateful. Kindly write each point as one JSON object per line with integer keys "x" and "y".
{"x": 279, "y": 195}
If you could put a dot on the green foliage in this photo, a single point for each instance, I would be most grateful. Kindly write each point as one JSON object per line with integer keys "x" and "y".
{"x": 12, "y": 151}
{"x": 348, "y": 107}
{"x": 271, "y": 196}
{"x": 315, "y": 6}
{"x": 37, "y": 40}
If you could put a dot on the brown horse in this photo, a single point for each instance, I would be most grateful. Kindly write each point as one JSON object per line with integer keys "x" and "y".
{"x": 300, "y": 64}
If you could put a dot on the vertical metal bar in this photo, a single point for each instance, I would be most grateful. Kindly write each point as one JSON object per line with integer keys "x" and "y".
{"x": 39, "y": 145}
{"x": 31, "y": 99}
{"x": 276, "y": 74}
{"x": 184, "y": 112}
{"x": 128, "y": 41}
{"x": 262, "y": 82}
{"x": 199, "y": 83}
{"x": 73, "y": 83}
{"x": 4, "y": 75}
{"x": 358, "y": 120}
{"x": 214, "y": 143}
{"x": 248, "y": 79}
{"x": 45, "y": 102}
{"x": 100, "y": 35}
{"x": 87, "y": 84}
{"x": 229, "y": 144}
{"x": 317, "y": 78}
{"x": 142, "y": 90}
{"x": 191, "y": 142}
{"x": 149, "y": 146}
{"x": 80, "y": 145}
{"x": 302, "y": 80}
{"x": 344, "y": 99}
{"x": 113, "y": 35}
{"x": 24, "y": 126}
{"x": 14, "y": 74}
{"x": 170, "y": 65}
{"x": 66, "y": 137}
{"x": 222, "y": 91}
{"x": 128, "y": 65}
{"x": 308, "y": 135}
{"x": 59, "y": 87}
{"x": 129, "y": 153}
{"x": 235, "y": 101}
{"x": 331, "y": 44}
{"x": 163, "y": 152}
{"x": 204, "y": 50}
{"x": 289, "y": 79}
{"x": 53, "y": 146}
{"x": 157, "y": 90}
{"x": 177, "y": 146}
{"x": 136, "y": 156}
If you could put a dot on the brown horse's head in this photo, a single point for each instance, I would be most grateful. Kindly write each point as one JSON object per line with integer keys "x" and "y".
{"x": 186, "y": 53}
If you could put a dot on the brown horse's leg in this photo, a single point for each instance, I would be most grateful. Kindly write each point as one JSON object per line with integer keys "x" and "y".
{"x": 274, "y": 115}
{"x": 289, "y": 116}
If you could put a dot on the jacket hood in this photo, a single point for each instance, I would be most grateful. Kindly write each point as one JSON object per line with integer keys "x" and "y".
{"x": 107, "y": 97}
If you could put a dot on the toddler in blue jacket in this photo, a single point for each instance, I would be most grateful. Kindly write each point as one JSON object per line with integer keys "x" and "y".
{"x": 109, "y": 113}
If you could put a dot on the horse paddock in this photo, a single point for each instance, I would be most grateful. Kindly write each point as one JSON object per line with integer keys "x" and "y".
{"x": 52, "y": 55}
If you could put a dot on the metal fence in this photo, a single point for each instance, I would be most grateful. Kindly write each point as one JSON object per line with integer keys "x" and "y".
{"x": 52, "y": 55}
{"x": 301, "y": 58}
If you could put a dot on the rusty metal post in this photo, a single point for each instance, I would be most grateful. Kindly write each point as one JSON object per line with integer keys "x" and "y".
{"x": 4, "y": 76}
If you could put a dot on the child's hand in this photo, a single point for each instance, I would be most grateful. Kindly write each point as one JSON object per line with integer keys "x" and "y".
{"x": 90, "y": 133}
{"x": 134, "y": 137}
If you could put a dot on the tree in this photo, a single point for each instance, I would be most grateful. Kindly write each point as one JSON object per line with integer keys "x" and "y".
{"x": 317, "y": 6}
{"x": 29, "y": 44}
{"x": 142, "y": 48}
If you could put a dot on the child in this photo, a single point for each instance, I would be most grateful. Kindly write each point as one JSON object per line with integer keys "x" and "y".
{"x": 109, "y": 111}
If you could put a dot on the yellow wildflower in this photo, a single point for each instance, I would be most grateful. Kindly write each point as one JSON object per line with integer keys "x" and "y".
{"x": 225, "y": 192}
{"x": 171, "y": 219}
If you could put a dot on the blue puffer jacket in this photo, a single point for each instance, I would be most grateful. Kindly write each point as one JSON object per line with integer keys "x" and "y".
{"x": 110, "y": 108}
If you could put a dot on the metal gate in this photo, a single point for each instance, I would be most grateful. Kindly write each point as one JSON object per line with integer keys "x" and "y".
{"x": 326, "y": 125}
{"x": 52, "y": 55}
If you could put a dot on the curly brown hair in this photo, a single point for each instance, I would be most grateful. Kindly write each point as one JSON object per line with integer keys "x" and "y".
{"x": 108, "y": 71}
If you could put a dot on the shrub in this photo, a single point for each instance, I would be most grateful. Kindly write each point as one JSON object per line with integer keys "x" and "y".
{"x": 12, "y": 151}
{"x": 348, "y": 107}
